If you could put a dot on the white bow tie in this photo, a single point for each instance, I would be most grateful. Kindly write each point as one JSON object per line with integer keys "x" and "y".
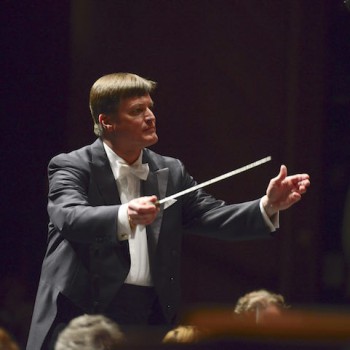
{"x": 139, "y": 170}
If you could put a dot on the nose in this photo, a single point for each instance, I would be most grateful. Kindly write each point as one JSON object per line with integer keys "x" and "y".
{"x": 150, "y": 118}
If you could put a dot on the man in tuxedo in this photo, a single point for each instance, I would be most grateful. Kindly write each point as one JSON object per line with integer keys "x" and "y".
{"x": 112, "y": 249}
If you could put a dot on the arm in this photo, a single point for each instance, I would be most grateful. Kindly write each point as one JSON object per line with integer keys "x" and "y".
{"x": 69, "y": 207}
{"x": 282, "y": 192}
{"x": 205, "y": 215}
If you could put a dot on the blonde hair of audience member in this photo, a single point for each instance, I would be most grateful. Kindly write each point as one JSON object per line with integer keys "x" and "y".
{"x": 6, "y": 342}
{"x": 261, "y": 302}
{"x": 182, "y": 334}
{"x": 89, "y": 332}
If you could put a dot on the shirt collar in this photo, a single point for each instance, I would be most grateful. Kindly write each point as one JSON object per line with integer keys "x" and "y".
{"x": 114, "y": 158}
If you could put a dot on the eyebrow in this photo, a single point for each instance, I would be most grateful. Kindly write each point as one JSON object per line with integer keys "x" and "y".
{"x": 141, "y": 104}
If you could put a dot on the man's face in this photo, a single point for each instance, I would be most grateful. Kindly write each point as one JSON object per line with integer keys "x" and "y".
{"x": 134, "y": 124}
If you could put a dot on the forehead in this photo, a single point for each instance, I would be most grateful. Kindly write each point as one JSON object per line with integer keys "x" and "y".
{"x": 133, "y": 101}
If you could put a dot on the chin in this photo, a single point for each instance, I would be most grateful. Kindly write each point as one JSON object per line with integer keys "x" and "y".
{"x": 152, "y": 141}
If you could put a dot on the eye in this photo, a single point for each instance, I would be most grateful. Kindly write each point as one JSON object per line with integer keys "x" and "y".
{"x": 137, "y": 111}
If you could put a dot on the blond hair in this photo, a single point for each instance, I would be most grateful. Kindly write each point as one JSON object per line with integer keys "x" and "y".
{"x": 182, "y": 334}
{"x": 261, "y": 299}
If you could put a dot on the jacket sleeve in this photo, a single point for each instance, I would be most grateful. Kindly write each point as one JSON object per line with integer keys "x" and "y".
{"x": 69, "y": 209}
{"x": 205, "y": 215}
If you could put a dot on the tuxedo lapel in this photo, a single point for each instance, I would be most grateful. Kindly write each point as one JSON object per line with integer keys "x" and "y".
{"x": 156, "y": 184}
{"x": 102, "y": 174}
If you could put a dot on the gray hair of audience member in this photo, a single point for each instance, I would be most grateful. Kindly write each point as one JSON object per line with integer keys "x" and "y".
{"x": 89, "y": 332}
{"x": 259, "y": 299}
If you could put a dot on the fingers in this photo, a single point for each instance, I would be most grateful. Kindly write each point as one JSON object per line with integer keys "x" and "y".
{"x": 295, "y": 197}
{"x": 143, "y": 204}
{"x": 299, "y": 182}
{"x": 303, "y": 185}
{"x": 301, "y": 179}
{"x": 143, "y": 211}
{"x": 298, "y": 186}
{"x": 153, "y": 199}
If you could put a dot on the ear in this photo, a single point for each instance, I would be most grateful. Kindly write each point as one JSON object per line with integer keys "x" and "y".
{"x": 105, "y": 122}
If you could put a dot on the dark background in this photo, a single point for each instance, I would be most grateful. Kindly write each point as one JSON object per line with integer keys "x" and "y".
{"x": 237, "y": 81}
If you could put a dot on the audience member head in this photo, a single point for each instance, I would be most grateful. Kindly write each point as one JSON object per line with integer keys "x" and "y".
{"x": 6, "y": 341}
{"x": 260, "y": 303}
{"x": 88, "y": 332}
{"x": 182, "y": 334}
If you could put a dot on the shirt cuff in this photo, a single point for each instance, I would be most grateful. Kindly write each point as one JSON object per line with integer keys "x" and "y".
{"x": 272, "y": 223}
{"x": 123, "y": 227}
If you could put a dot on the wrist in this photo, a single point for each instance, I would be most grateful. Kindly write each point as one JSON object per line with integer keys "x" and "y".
{"x": 132, "y": 225}
{"x": 269, "y": 207}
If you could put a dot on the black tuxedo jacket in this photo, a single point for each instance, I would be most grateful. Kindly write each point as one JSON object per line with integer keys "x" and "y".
{"x": 84, "y": 259}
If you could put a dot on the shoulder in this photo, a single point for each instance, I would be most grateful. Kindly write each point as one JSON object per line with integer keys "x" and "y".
{"x": 73, "y": 166}
{"x": 177, "y": 172}
{"x": 77, "y": 158}
{"x": 161, "y": 161}
{"x": 157, "y": 161}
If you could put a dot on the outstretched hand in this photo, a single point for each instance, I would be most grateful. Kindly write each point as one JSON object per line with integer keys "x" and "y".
{"x": 283, "y": 191}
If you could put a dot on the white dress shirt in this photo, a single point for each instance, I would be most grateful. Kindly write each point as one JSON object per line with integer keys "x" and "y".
{"x": 129, "y": 188}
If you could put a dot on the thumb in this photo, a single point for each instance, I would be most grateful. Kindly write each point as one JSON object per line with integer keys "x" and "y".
{"x": 282, "y": 174}
{"x": 153, "y": 199}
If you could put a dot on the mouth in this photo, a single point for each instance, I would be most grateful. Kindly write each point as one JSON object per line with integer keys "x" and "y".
{"x": 151, "y": 129}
